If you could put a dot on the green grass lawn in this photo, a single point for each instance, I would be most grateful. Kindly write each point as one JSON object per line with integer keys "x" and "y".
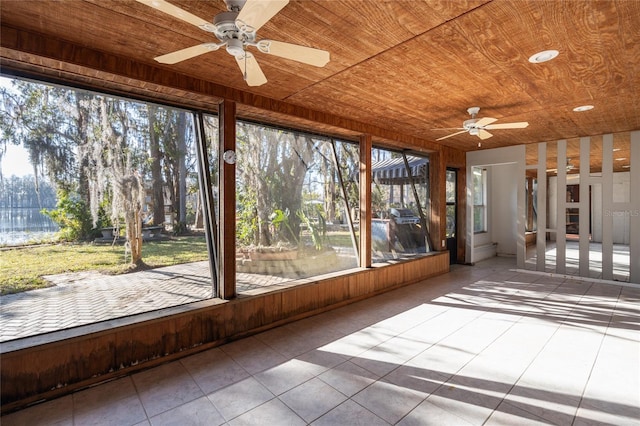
{"x": 22, "y": 269}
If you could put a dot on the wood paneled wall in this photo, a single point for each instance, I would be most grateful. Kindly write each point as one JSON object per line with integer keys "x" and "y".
{"x": 57, "y": 368}
{"x": 438, "y": 163}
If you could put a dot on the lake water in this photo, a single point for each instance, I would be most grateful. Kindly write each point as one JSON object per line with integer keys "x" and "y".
{"x": 19, "y": 226}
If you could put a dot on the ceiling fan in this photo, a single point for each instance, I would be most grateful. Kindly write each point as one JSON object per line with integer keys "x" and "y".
{"x": 478, "y": 127}
{"x": 236, "y": 30}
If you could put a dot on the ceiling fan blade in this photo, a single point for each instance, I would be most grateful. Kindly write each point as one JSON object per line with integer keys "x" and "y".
{"x": 251, "y": 70}
{"x": 306, "y": 55}
{"x": 453, "y": 134}
{"x": 175, "y": 11}
{"x": 483, "y": 134}
{"x": 255, "y": 13}
{"x": 484, "y": 121}
{"x": 188, "y": 53}
{"x": 518, "y": 125}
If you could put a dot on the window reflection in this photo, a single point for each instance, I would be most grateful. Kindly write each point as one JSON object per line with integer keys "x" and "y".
{"x": 399, "y": 197}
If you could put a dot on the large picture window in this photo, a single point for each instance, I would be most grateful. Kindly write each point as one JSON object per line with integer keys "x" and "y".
{"x": 296, "y": 197}
{"x": 399, "y": 197}
{"x": 106, "y": 204}
{"x": 101, "y": 208}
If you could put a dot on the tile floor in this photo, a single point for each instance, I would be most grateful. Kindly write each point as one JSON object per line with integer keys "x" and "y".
{"x": 480, "y": 345}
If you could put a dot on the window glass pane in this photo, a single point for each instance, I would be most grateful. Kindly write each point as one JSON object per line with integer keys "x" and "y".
{"x": 478, "y": 186}
{"x": 451, "y": 221}
{"x": 212, "y": 135}
{"x": 478, "y": 219}
{"x": 451, "y": 186}
{"x": 347, "y": 204}
{"x": 290, "y": 206}
{"x": 397, "y": 228}
{"x": 119, "y": 179}
{"x": 479, "y": 198}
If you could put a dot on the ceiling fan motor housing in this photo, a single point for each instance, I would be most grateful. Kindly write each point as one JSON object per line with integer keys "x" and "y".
{"x": 225, "y": 25}
{"x": 235, "y": 47}
{"x": 235, "y": 5}
{"x": 470, "y": 124}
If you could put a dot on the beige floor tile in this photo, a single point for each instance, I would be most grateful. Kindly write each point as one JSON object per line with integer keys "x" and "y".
{"x": 240, "y": 397}
{"x": 421, "y": 380}
{"x": 114, "y": 412}
{"x": 312, "y": 399}
{"x": 350, "y": 413}
{"x": 508, "y": 415}
{"x": 442, "y": 325}
{"x": 471, "y": 399}
{"x": 285, "y": 376}
{"x": 388, "y": 401}
{"x": 429, "y": 414}
{"x": 348, "y": 378}
{"x": 213, "y": 370}
{"x": 200, "y": 412}
{"x": 544, "y": 401}
{"x": 358, "y": 342}
{"x": 274, "y": 412}
{"x": 165, "y": 387}
{"x": 319, "y": 361}
{"x": 253, "y": 355}
{"x": 596, "y": 416}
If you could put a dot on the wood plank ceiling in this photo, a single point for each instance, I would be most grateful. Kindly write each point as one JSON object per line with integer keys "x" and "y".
{"x": 406, "y": 66}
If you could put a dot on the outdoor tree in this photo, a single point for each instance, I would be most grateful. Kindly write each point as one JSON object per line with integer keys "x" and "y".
{"x": 92, "y": 147}
{"x": 272, "y": 166}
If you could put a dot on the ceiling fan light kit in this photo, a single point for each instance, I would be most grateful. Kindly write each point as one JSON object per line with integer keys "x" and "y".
{"x": 236, "y": 30}
{"x": 479, "y": 127}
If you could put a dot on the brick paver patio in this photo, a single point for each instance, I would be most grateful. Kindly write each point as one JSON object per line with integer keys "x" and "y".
{"x": 87, "y": 297}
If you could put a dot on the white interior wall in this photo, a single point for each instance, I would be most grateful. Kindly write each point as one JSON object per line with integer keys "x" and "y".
{"x": 514, "y": 155}
{"x": 504, "y": 208}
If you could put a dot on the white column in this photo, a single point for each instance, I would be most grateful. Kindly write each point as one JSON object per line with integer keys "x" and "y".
{"x": 634, "y": 212}
{"x": 521, "y": 246}
{"x": 607, "y": 207}
{"x": 583, "y": 223}
{"x": 541, "y": 237}
{"x": 561, "y": 209}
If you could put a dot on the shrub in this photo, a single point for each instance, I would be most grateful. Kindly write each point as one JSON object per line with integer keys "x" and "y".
{"x": 72, "y": 216}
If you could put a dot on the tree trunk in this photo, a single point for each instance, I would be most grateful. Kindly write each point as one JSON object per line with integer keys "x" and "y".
{"x": 157, "y": 196}
{"x": 134, "y": 235}
{"x": 182, "y": 170}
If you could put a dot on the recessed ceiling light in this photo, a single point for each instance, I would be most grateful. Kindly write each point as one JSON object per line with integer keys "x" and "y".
{"x": 626, "y": 167}
{"x": 583, "y": 108}
{"x": 544, "y": 56}
{"x": 617, "y": 149}
{"x": 620, "y": 159}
